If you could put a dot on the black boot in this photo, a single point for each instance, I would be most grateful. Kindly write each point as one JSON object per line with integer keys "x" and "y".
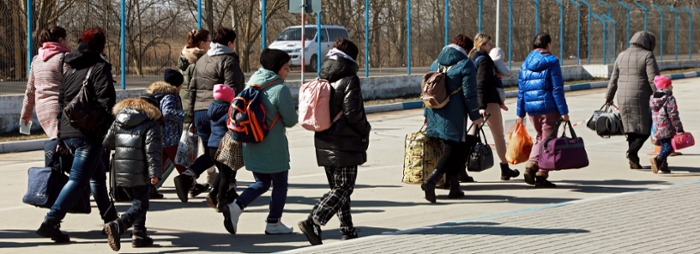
{"x": 663, "y": 169}
{"x": 429, "y": 186}
{"x": 114, "y": 230}
{"x": 455, "y": 190}
{"x": 634, "y": 161}
{"x": 154, "y": 193}
{"x": 464, "y": 177}
{"x": 531, "y": 169}
{"x": 541, "y": 181}
{"x": 183, "y": 184}
{"x": 53, "y": 230}
{"x": 507, "y": 173}
{"x": 141, "y": 239}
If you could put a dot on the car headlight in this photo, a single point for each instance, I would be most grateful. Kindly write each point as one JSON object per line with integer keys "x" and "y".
{"x": 296, "y": 50}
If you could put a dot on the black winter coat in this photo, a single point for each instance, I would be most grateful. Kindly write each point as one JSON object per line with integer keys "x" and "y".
{"x": 136, "y": 137}
{"x": 486, "y": 80}
{"x": 345, "y": 143}
{"x": 100, "y": 83}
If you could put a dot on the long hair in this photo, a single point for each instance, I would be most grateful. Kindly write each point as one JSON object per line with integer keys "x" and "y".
{"x": 480, "y": 40}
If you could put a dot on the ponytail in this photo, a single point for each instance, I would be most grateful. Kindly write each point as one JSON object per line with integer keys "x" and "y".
{"x": 195, "y": 37}
{"x": 52, "y": 34}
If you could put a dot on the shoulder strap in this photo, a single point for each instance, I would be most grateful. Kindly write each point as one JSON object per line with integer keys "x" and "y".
{"x": 477, "y": 60}
{"x": 265, "y": 86}
{"x": 444, "y": 69}
{"x": 87, "y": 76}
{"x": 63, "y": 62}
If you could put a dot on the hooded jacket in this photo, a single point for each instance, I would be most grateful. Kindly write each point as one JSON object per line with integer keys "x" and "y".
{"x": 541, "y": 86}
{"x": 664, "y": 110}
{"x": 219, "y": 66}
{"x": 345, "y": 143}
{"x": 450, "y": 122}
{"x": 186, "y": 63}
{"x": 632, "y": 80}
{"x": 171, "y": 109}
{"x": 100, "y": 85}
{"x": 272, "y": 154}
{"x": 135, "y": 136}
{"x": 486, "y": 80}
{"x": 44, "y": 82}
{"x": 218, "y": 117}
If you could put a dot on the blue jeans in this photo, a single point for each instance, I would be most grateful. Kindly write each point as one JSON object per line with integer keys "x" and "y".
{"x": 261, "y": 185}
{"x": 136, "y": 215}
{"x": 88, "y": 165}
{"x": 666, "y": 149}
{"x": 203, "y": 125}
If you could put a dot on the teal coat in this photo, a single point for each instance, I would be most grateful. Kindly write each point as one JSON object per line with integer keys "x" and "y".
{"x": 272, "y": 154}
{"x": 449, "y": 122}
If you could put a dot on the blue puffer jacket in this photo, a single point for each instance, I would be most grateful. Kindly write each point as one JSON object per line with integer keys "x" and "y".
{"x": 218, "y": 114}
{"x": 541, "y": 86}
{"x": 449, "y": 122}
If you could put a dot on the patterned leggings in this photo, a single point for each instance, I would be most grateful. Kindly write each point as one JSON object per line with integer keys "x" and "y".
{"x": 337, "y": 201}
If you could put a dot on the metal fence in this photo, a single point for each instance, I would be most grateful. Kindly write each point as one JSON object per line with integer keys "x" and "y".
{"x": 584, "y": 31}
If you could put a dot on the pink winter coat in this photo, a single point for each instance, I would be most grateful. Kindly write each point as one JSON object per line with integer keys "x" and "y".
{"x": 664, "y": 110}
{"x": 45, "y": 79}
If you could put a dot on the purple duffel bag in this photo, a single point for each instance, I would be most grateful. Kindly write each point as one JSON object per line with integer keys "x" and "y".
{"x": 563, "y": 152}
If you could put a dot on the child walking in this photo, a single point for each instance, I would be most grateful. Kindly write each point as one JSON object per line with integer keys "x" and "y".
{"x": 497, "y": 56}
{"x": 220, "y": 195}
{"x": 667, "y": 122}
{"x": 136, "y": 137}
{"x": 167, "y": 94}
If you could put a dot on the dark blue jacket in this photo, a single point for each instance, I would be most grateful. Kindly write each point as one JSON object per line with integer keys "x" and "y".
{"x": 218, "y": 114}
{"x": 541, "y": 86}
{"x": 449, "y": 122}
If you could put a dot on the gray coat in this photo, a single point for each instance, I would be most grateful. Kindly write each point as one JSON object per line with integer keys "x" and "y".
{"x": 136, "y": 137}
{"x": 633, "y": 81}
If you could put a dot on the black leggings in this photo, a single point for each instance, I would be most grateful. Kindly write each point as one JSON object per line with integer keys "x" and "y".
{"x": 635, "y": 141}
{"x": 225, "y": 177}
{"x": 454, "y": 156}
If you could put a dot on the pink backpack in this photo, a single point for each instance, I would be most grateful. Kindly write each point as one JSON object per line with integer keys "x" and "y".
{"x": 315, "y": 107}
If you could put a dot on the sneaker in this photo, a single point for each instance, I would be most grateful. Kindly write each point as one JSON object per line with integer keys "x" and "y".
{"x": 198, "y": 189}
{"x": 141, "y": 239}
{"x": 231, "y": 214}
{"x": 113, "y": 235}
{"x": 350, "y": 234}
{"x": 53, "y": 231}
{"x": 311, "y": 231}
{"x": 183, "y": 184}
{"x": 278, "y": 229}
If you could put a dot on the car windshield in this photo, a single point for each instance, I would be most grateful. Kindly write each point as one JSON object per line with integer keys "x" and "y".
{"x": 294, "y": 34}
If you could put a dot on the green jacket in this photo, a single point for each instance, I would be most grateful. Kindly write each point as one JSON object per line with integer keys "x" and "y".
{"x": 272, "y": 154}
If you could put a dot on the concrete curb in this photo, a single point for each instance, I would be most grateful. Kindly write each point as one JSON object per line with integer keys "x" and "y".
{"x": 33, "y": 145}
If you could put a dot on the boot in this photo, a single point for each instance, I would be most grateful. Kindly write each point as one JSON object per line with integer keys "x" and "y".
{"x": 531, "y": 169}
{"x": 114, "y": 231}
{"x": 53, "y": 230}
{"x": 110, "y": 215}
{"x": 154, "y": 193}
{"x": 221, "y": 201}
{"x": 634, "y": 161}
{"x": 664, "y": 168}
{"x": 655, "y": 164}
{"x": 183, "y": 184}
{"x": 455, "y": 190}
{"x": 464, "y": 177}
{"x": 141, "y": 239}
{"x": 541, "y": 180}
{"x": 507, "y": 173}
{"x": 211, "y": 201}
{"x": 429, "y": 186}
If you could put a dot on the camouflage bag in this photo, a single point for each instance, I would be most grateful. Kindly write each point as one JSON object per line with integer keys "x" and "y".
{"x": 421, "y": 155}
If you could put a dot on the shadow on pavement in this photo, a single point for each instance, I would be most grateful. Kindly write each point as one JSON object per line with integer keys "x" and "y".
{"x": 480, "y": 228}
{"x": 7, "y": 235}
{"x": 504, "y": 199}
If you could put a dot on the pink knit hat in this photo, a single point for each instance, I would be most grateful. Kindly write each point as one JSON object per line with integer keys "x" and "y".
{"x": 223, "y": 93}
{"x": 662, "y": 82}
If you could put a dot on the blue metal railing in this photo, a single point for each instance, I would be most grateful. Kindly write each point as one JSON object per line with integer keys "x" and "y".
{"x": 578, "y": 31}
{"x": 629, "y": 14}
{"x": 675, "y": 11}
{"x": 614, "y": 55}
{"x": 604, "y": 37}
{"x": 366, "y": 38}
{"x": 447, "y": 22}
{"x": 661, "y": 27}
{"x": 537, "y": 16}
{"x": 481, "y": 13}
{"x": 263, "y": 26}
{"x": 561, "y": 32}
{"x": 588, "y": 55}
{"x": 510, "y": 34}
{"x": 646, "y": 14}
{"x": 408, "y": 38}
{"x": 30, "y": 28}
{"x": 690, "y": 32}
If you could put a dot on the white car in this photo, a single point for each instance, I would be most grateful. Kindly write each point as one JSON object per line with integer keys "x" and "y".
{"x": 290, "y": 41}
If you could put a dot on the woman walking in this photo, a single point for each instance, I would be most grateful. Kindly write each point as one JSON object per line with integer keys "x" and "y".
{"x": 197, "y": 46}
{"x": 269, "y": 159}
{"x": 451, "y": 122}
{"x": 87, "y": 62}
{"x": 632, "y": 80}
{"x": 490, "y": 100}
{"x": 343, "y": 147}
{"x": 541, "y": 96}
{"x": 45, "y": 77}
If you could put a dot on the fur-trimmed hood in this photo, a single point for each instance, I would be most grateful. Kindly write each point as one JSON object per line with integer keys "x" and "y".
{"x": 134, "y": 111}
{"x": 192, "y": 54}
{"x": 161, "y": 87}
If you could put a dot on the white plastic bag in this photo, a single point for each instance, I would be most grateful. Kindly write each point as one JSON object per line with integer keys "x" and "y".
{"x": 187, "y": 149}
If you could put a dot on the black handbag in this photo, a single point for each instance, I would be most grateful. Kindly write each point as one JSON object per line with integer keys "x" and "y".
{"x": 481, "y": 156}
{"x": 606, "y": 121}
{"x": 45, "y": 184}
{"x": 84, "y": 112}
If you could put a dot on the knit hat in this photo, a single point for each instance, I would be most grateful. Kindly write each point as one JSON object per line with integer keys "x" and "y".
{"x": 173, "y": 77}
{"x": 223, "y": 93}
{"x": 662, "y": 82}
{"x": 274, "y": 59}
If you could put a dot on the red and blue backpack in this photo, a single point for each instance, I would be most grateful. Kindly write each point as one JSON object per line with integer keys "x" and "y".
{"x": 247, "y": 118}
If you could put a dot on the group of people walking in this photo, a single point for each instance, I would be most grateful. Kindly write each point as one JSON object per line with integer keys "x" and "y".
{"x": 145, "y": 131}
{"x": 644, "y": 97}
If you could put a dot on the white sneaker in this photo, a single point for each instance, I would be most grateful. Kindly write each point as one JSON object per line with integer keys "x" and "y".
{"x": 278, "y": 229}
{"x": 231, "y": 213}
